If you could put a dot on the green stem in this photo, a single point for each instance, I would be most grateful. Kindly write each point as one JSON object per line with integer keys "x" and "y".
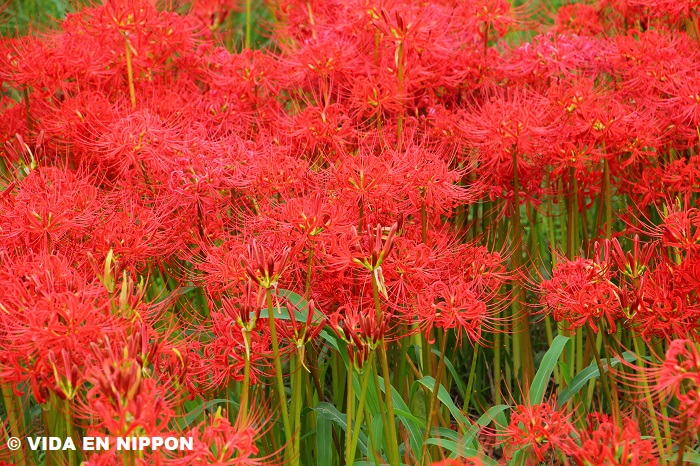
{"x": 599, "y": 363}
{"x": 243, "y": 410}
{"x": 434, "y": 397}
{"x": 14, "y": 420}
{"x": 400, "y": 72}
{"x": 68, "y": 419}
{"x": 522, "y": 342}
{"x": 350, "y": 408}
{"x": 130, "y": 73}
{"x": 297, "y": 400}
{"x": 248, "y": 22}
{"x": 424, "y": 223}
{"x": 360, "y": 410}
{"x": 309, "y": 274}
{"x": 649, "y": 400}
{"x": 394, "y": 457}
{"x": 279, "y": 376}
{"x": 608, "y": 199}
{"x": 684, "y": 441}
{"x": 472, "y": 375}
{"x": 30, "y": 126}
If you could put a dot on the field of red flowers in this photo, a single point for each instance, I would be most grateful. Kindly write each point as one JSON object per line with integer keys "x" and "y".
{"x": 352, "y": 232}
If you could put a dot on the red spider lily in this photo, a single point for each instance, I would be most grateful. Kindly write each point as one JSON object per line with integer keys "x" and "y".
{"x": 540, "y": 430}
{"x": 218, "y": 442}
{"x": 123, "y": 398}
{"x": 682, "y": 363}
{"x": 454, "y": 304}
{"x": 238, "y": 336}
{"x": 578, "y": 19}
{"x": 364, "y": 252}
{"x": 581, "y": 292}
{"x": 298, "y": 334}
{"x": 52, "y": 208}
{"x": 263, "y": 269}
{"x": 459, "y": 462}
{"x": 603, "y": 442}
{"x": 362, "y": 332}
{"x": 660, "y": 308}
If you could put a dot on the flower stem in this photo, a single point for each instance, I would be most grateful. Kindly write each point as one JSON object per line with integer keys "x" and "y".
{"x": 601, "y": 372}
{"x": 297, "y": 400}
{"x": 648, "y": 398}
{"x": 434, "y": 397}
{"x": 470, "y": 384}
{"x": 350, "y": 409}
{"x": 130, "y": 72}
{"x": 360, "y": 410}
{"x": 14, "y": 419}
{"x": 279, "y": 376}
{"x": 248, "y": 22}
{"x": 394, "y": 457}
{"x": 243, "y": 411}
{"x": 522, "y": 342}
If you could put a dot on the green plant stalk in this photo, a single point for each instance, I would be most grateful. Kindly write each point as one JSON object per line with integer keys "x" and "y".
{"x": 309, "y": 274}
{"x": 400, "y": 76}
{"x": 648, "y": 398}
{"x": 372, "y": 442}
{"x": 310, "y": 421}
{"x": 579, "y": 352}
{"x": 30, "y": 125}
{"x": 592, "y": 383}
{"x": 297, "y": 400}
{"x": 243, "y": 410}
{"x": 616, "y": 414}
{"x": 293, "y": 456}
{"x": 130, "y": 73}
{"x": 571, "y": 201}
{"x": 497, "y": 374}
{"x": 382, "y": 410}
{"x": 68, "y": 419}
{"x": 402, "y": 375}
{"x": 248, "y": 22}
{"x": 424, "y": 223}
{"x": 470, "y": 383}
{"x": 522, "y": 342}
{"x": 684, "y": 441}
{"x": 608, "y": 199}
{"x": 434, "y": 397}
{"x": 350, "y": 408}
{"x": 14, "y": 419}
{"x": 360, "y": 410}
{"x": 602, "y": 373}
{"x": 394, "y": 457}
{"x": 129, "y": 458}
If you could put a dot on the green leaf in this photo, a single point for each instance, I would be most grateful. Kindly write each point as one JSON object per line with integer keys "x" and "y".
{"x": 415, "y": 436}
{"x": 300, "y": 305}
{"x": 324, "y": 441}
{"x": 445, "y": 399}
{"x": 445, "y": 433}
{"x": 549, "y": 361}
{"x": 192, "y": 415}
{"x": 329, "y": 411}
{"x": 469, "y": 439}
{"x": 590, "y": 372}
{"x": 458, "y": 451}
{"x": 455, "y": 376}
{"x": 690, "y": 457}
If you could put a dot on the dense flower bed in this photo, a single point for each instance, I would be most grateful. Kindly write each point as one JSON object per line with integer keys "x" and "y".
{"x": 247, "y": 238}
